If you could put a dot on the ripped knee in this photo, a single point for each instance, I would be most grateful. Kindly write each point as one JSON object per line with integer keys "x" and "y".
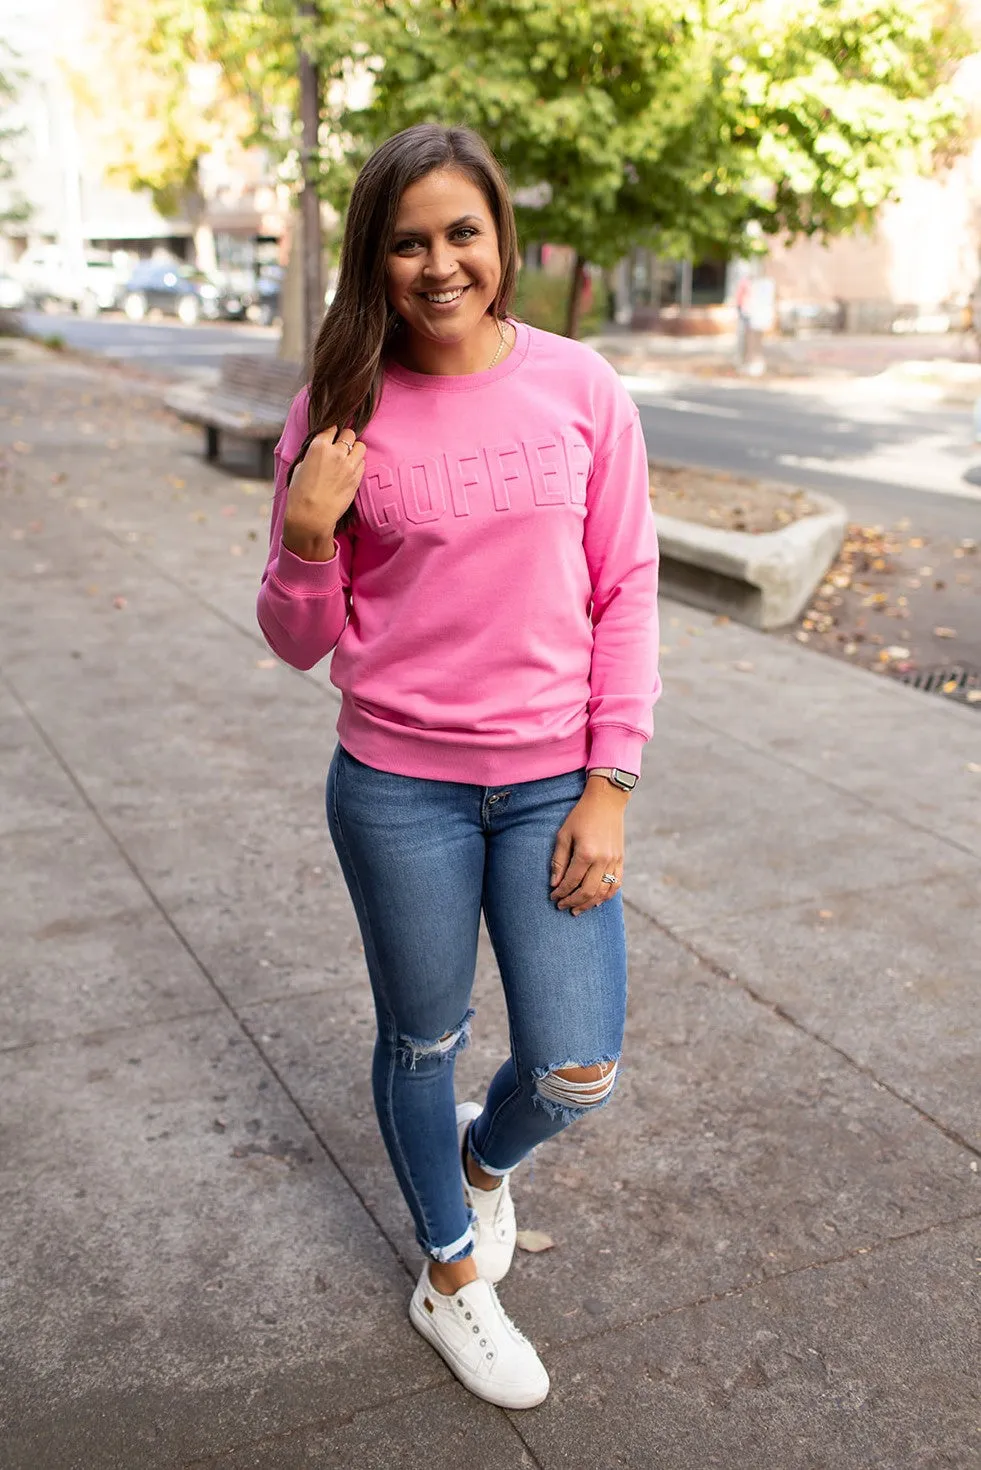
{"x": 415, "y": 1049}
{"x": 572, "y": 1091}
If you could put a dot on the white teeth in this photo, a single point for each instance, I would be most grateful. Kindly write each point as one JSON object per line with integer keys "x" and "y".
{"x": 445, "y": 295}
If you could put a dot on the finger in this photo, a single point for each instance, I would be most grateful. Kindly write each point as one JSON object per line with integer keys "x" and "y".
{"x": 327, "y": 437}
{"x": 603, "y": 892}
{"x": 593, "y": 892}
{"x": 560, "y": 858}
{"x": 348, "y": 443}
{"x": 574, "y": 875}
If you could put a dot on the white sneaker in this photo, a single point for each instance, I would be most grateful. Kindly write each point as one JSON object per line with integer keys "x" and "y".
{"x": 479, "y": 1343}
{"x": 495, "y": 1231}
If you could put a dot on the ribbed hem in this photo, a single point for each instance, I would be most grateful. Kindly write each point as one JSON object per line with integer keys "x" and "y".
{"x": 406, "y": 752}
{"x": 616, "y": 745}
{"x": 309, "y": 578}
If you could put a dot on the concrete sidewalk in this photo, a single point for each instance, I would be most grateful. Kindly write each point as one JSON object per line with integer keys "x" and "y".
{"x": 766, "y": 1250}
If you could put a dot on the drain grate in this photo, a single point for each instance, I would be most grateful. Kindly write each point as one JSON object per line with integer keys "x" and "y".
{"x": 952, "y": 683}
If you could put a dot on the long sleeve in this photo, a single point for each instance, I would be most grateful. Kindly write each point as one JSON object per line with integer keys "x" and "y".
{"x": 303, "y": 606}
{"x": 621, "y": 553}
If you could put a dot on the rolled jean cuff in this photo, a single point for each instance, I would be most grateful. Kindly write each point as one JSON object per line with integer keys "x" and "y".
{"x": 487, "y": 1168}
{"x": 454, "y": 1252}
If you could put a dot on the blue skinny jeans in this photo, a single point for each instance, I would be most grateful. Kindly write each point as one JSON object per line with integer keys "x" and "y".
{"x": 421, "y": 860}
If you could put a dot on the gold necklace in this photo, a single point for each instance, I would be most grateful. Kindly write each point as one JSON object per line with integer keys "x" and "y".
{"x": 500, "y": 348}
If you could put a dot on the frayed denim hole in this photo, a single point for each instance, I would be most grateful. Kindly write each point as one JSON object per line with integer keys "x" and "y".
{"x": 415, "y": 1049}
{"x": 569, "y": 1099}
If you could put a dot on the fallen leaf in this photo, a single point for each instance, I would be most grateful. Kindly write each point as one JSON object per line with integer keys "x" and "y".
{"x": 915, "y": 542}
{"x": 974, "y": 696}
{"x": 720, "y": 621}
{"x": 944, "y": 633}
{"x": 534, "y": 1240}
{"x": 119, "y": 602}
{"x": 265, "y": 663}
{"x": 229, "y": 510}
{"x": 826, "y": 913}
{"x": 19, "y": 447}
{"x": 974, "y": 768}
{"x": 743, "y": 667}
{"x": 896, "y": 651}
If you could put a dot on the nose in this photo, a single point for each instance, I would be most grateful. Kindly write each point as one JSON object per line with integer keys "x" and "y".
{"x": 441, "y": 263}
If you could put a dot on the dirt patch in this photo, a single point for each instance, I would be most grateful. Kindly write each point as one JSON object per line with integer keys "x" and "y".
{"x": 727, "y": 502}
{"x": 901, "y": 603}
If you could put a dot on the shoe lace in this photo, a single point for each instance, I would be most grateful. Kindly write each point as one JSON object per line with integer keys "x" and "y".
{"x": 479, "y": 1331}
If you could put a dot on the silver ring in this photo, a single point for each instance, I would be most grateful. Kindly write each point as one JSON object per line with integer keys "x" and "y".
{"x": 347, "y": 446}
{"x": 610, "y": 878}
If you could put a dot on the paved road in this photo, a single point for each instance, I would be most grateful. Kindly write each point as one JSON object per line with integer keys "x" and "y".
{"x": 886, "y": 460}
{"x": 164, "y": 347}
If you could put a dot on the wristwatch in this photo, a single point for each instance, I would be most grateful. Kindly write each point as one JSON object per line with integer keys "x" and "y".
{"x": 624, "y": 779}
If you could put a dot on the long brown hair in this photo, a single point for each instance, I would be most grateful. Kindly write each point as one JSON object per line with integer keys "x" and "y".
{"x": 349, "y": 355}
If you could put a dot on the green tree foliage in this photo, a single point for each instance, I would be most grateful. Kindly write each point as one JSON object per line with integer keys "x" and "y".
{"x": 675, "y": 125}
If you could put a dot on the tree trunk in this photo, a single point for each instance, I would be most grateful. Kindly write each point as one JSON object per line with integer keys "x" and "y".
{"x": 313, "y": 290}
{"x": 293, "y": 339}
{"x": 574, "y": 304}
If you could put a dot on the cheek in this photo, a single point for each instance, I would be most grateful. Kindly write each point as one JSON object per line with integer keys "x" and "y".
{"x": 398, "y": 281}
{"x": 490, "y": 268}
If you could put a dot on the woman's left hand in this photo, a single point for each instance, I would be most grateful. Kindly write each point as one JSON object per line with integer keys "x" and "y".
{"x": 589, "y": 844}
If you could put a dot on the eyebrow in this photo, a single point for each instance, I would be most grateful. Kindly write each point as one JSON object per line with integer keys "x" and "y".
{"x": 464, "y": 219}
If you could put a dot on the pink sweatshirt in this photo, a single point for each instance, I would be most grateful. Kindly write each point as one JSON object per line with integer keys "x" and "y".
{"x": 493, "y": 613}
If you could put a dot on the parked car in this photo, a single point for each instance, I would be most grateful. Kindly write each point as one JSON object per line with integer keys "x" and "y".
{"x": 49, "y": 281}
{"x": 254, "y": 297}
{"x": 99, "y": 288}
{"x": 12, "y": 294}
{"x": 268, "y": 295}
{"x": 174, "y": 289}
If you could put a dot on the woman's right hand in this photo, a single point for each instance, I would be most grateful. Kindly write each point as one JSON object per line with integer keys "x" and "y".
{"x": 322, "y": 488}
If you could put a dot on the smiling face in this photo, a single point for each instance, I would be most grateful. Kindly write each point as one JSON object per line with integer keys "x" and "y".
{"x": 443, "y": 267}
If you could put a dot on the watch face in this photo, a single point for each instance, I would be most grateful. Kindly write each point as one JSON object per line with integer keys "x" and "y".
{"x": 625, "y": 779}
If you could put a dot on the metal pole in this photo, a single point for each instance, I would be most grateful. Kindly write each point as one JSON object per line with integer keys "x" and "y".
{"x": 313, "y": 291}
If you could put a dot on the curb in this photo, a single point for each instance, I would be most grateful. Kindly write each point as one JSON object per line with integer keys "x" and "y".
{"x": 763, "y": 580}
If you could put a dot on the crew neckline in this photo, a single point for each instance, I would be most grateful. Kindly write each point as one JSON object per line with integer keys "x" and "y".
{"x": 466, "y": 382}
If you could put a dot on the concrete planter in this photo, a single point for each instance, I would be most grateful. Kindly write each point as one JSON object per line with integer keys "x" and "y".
{"x": 764, "y": 580}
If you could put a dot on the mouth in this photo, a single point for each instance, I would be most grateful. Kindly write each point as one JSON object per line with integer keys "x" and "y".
{"x": 444, "y": 298}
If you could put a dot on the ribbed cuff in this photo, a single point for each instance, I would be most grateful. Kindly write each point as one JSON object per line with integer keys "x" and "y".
{"x": 308, "y": 578}
{"x": 613, "y": 745}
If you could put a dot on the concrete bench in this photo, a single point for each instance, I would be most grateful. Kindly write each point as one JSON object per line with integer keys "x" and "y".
{"x": 250, "y": 401}
{"x": 764, "y": 580}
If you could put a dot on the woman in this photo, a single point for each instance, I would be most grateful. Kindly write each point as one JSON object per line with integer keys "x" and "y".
{"x": 462, "y": 515}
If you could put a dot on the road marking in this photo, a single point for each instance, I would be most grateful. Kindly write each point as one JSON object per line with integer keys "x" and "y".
{"x": 650, "y": 393}
{"x": 896, "y": 468}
